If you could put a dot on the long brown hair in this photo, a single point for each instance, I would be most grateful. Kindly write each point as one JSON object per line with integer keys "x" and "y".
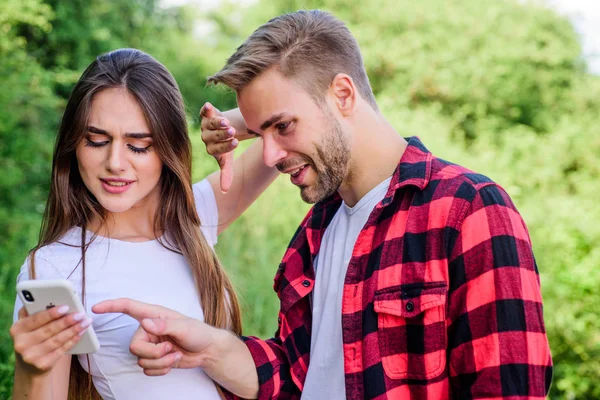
{"x": 70, "y": 204}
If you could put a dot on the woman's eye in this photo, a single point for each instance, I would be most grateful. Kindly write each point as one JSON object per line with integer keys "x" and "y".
{"x": 139, "y": 150}
{"x": 91, "y": 143}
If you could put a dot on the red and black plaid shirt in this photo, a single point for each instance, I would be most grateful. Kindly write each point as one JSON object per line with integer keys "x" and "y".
{"x": 441, "y": 297}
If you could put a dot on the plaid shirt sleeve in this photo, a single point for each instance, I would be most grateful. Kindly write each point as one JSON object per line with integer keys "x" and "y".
{"x": 497, "y": 345}
{"x": 273, "y": 369}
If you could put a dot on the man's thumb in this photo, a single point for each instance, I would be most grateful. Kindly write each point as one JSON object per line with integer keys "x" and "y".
{"x": 208, "y": 111}
{"x": 152, "y": 327}
{"x": 226, "y": 164}
{"x": 164, "y": 327}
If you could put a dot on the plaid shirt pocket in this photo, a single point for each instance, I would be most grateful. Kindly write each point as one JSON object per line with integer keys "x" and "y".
{"x": 412, "y": 330}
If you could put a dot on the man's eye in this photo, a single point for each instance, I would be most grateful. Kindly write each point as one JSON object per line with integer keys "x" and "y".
{"x": 282, "y": 126}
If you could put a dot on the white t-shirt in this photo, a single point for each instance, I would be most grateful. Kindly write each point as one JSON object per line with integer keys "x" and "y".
{"x": 325, "y": 377}
{"x": 143, "y": 271}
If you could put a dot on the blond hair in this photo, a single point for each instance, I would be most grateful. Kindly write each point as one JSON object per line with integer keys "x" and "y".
{"x": 311, "y": 46}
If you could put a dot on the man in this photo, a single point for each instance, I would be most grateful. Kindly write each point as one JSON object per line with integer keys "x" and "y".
{"x": 410, "y": 278}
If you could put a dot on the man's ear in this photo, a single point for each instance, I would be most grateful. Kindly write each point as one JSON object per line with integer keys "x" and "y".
{"x": 344, "y": 93}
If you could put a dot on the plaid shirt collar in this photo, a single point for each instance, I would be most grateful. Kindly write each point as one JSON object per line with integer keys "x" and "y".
{"x": 414, "y": 169}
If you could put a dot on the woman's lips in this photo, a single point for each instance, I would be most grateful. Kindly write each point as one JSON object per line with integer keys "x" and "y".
{"x": 114, "y": 186}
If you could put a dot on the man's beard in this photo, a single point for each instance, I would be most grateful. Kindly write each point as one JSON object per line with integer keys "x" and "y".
{"x": 331, "y": 166}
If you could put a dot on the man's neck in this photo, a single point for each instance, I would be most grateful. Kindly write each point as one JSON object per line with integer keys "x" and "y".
{"x": 376, "y": 152}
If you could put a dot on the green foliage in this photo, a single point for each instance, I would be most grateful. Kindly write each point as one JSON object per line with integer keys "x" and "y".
{"x": 28, "y": 112}
{"x": 496, "y": 86}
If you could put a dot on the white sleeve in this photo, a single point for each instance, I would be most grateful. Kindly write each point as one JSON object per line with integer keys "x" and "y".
{"x": 43, "y": 270}
{"x": 206, "y": 206}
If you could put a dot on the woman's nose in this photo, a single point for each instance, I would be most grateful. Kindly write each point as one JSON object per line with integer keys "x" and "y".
{"x": 116, "y": 161}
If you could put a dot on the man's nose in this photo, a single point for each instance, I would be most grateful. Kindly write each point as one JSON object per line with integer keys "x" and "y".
{"x": 273, "y": 153}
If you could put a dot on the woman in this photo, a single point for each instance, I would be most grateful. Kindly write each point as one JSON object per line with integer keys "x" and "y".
{"x": 123, "y": 219}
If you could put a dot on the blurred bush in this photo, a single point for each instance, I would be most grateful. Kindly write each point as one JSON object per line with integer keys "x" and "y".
{"x": 497, "y": 86}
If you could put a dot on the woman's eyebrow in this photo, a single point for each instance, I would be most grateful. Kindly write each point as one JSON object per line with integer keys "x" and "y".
{"x": 93, "y": 129}
{"x": 138, "y": 135}
{"x": 133, "y": 135}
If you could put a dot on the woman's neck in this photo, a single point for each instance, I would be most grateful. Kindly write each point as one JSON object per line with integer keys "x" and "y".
{"x": 133, "y": 225}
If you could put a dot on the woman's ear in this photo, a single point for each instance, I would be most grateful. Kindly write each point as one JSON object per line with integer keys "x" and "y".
{"x": 344, "y": 93}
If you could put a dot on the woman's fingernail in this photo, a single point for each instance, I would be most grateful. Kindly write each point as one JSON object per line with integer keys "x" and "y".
{"x": 86, "y": 323}
{"x": 234, "y": 142}
{"x": 78, "y": 316}
{"x": 207, "y": 106}
{"x": 223, "y": 122}
{"x": 62, "y": 310}
{"x": 230, "y": 131}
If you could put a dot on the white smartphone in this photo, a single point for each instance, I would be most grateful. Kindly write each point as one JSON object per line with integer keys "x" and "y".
{"x": 40, "y": 295}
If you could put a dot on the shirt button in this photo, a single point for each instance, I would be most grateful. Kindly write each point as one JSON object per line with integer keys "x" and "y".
{"x": 279, "y": 319}
{"x": 306, "y": 283}
{"x": 410, "y": 306}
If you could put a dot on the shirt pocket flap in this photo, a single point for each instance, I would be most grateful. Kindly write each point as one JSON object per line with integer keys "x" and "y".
{"x": 410, "y": 300}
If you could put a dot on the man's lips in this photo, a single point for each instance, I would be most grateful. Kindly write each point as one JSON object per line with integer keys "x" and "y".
{"x": 295, "y": 171}
{"x": 297, "y": 175}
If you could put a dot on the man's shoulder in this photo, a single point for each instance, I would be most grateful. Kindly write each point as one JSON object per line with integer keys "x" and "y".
{"x": 450, "y": 179}
{"x": 453, "y": 191}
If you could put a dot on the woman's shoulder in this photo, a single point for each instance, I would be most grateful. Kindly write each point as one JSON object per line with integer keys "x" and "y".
{"x": 207, "y": 208}
{"x": 50, "y": 260}
{"x": 204, "y": 194}
{"x": 68, "y": 245}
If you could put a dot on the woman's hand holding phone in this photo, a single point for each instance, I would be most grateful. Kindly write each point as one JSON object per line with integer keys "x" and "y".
{"x": 41, "y": 339}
